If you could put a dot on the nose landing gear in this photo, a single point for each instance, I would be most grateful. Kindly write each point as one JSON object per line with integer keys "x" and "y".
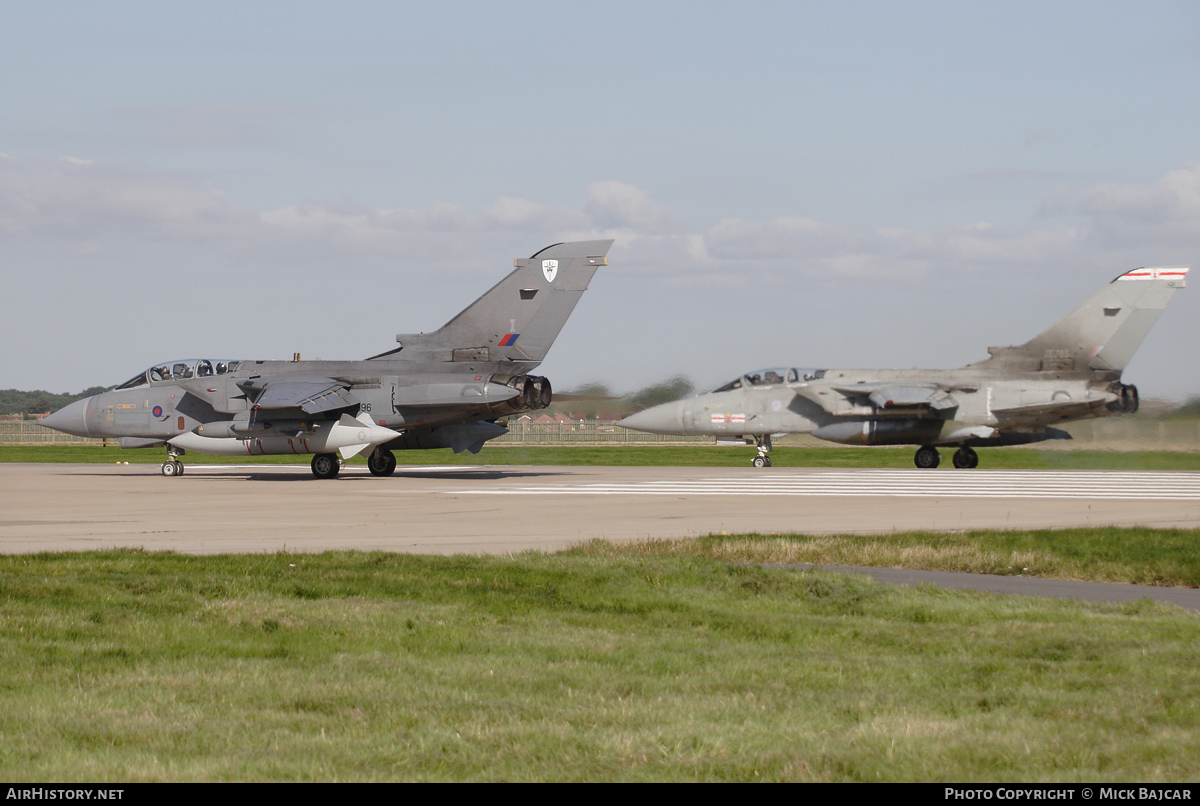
{"x": 763, "y": 444}
{"x": 173, "y": 467}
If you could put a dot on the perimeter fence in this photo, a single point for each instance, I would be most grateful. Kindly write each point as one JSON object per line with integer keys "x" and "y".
{"x": 29, "y": 432}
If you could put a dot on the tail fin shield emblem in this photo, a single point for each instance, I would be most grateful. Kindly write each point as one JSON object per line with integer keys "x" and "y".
{"x": 549, "y": 269}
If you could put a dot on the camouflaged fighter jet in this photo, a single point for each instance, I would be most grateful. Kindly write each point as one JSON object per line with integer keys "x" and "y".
{"x": 444, "y": 389}
{"x": 1072, "y": 371}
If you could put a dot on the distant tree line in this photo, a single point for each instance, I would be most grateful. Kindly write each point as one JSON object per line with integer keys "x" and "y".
{"x": 598, "y": 399}
{"x": 14, "y": 401}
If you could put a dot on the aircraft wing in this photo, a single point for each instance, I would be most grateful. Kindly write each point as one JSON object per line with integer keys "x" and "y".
{"x": 310, "y": 395}
{"x": 910, "y": 395}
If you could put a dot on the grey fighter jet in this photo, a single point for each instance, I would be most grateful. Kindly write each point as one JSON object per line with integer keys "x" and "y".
{"x": 1072, "y": 371}
{"x": 444, "y": 389}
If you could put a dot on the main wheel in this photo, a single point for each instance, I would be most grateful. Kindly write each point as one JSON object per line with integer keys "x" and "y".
{"x": 762, "y": 461}
{"x": 381, "y": 462}
{"x": 927, "y": 457}
{"x": 965, "y": 458}
{"x": 325, "y": 466}
{"x": 178, "y": 468}
{"x": 170, "y": 468}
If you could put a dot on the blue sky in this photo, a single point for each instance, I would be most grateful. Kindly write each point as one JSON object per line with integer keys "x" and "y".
{"x": 821, "y": 184}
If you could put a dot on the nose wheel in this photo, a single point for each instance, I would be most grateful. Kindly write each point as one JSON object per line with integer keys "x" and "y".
{"x": 763, "y": 443}
{"x": 172, "y": 467}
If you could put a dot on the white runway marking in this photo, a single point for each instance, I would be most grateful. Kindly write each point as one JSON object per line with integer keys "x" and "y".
{"x": 1162, "y": 486}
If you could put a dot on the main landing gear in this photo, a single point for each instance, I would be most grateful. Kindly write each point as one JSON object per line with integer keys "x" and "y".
{"x": 965, "y": 458}
{"x": 927, "y": 458}
{"x": 381, "y": 462}
{"x": 172, "y": 467}
{"x": 326, "y": 465}
{"x": 763, "y": 443}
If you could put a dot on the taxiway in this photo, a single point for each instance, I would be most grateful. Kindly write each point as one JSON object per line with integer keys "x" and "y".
{"x": 504, "y": 509}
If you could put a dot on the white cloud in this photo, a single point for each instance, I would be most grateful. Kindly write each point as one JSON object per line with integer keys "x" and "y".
{"x": 816, "y": 247}
{"x": 507, "y": 211}
{"x": 383, "y": 270}
{"x": 1130, "y": 215}
{"x": 77, "y": 198}
{"x": 613, "y": 205}
{"x": 94, "y": 201}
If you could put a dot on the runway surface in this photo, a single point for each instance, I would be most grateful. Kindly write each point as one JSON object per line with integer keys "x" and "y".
{"x": 504, "y": 509}
{"x": 1147, "y": 486}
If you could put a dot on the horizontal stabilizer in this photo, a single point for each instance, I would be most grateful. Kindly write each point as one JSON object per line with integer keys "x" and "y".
{"x": 1061, "y": 411}
{"x": 458, "y": 437}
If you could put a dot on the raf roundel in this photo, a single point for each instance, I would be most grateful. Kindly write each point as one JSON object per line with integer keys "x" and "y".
{"x": 158, "y": 411}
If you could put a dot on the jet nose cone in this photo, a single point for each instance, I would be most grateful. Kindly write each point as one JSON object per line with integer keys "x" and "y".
{"x": 664, "y": 419}
{"x": 69, "y": 419}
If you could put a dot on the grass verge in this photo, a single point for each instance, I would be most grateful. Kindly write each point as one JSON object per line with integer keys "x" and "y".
{"x": 665, "y": 455}
{"x": 128, "y": 666}
{"x": 1135, "y": 556}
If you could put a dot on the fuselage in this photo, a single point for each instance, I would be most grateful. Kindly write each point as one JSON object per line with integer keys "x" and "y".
{"x": 968, "y": 406}
{"x": 198, "y": 408}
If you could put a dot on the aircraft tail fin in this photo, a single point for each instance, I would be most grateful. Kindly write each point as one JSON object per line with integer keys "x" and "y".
{"x": 1105, "y": 331}
{"x": 519, "y": 318}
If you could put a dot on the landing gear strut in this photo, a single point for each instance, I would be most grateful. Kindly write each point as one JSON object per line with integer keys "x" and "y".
{"x": 325, "y": 465}
{"x": 964, "y": 457}
{"x": 173, "y": 467}
{"x": 927, "y": 457}
{"x": 763, "y": 444}
{"x": 381, "y": 462}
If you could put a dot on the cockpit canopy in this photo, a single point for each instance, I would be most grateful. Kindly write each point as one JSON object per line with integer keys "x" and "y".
{"x": 181, "y": 370}
{"x": 769, "y": 377}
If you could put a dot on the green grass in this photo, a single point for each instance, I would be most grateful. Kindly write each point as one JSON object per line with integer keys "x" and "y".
{"x": 1137, "y": 556}
{"x": 665, "y": 455}
{"x": 131, "y": 666}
